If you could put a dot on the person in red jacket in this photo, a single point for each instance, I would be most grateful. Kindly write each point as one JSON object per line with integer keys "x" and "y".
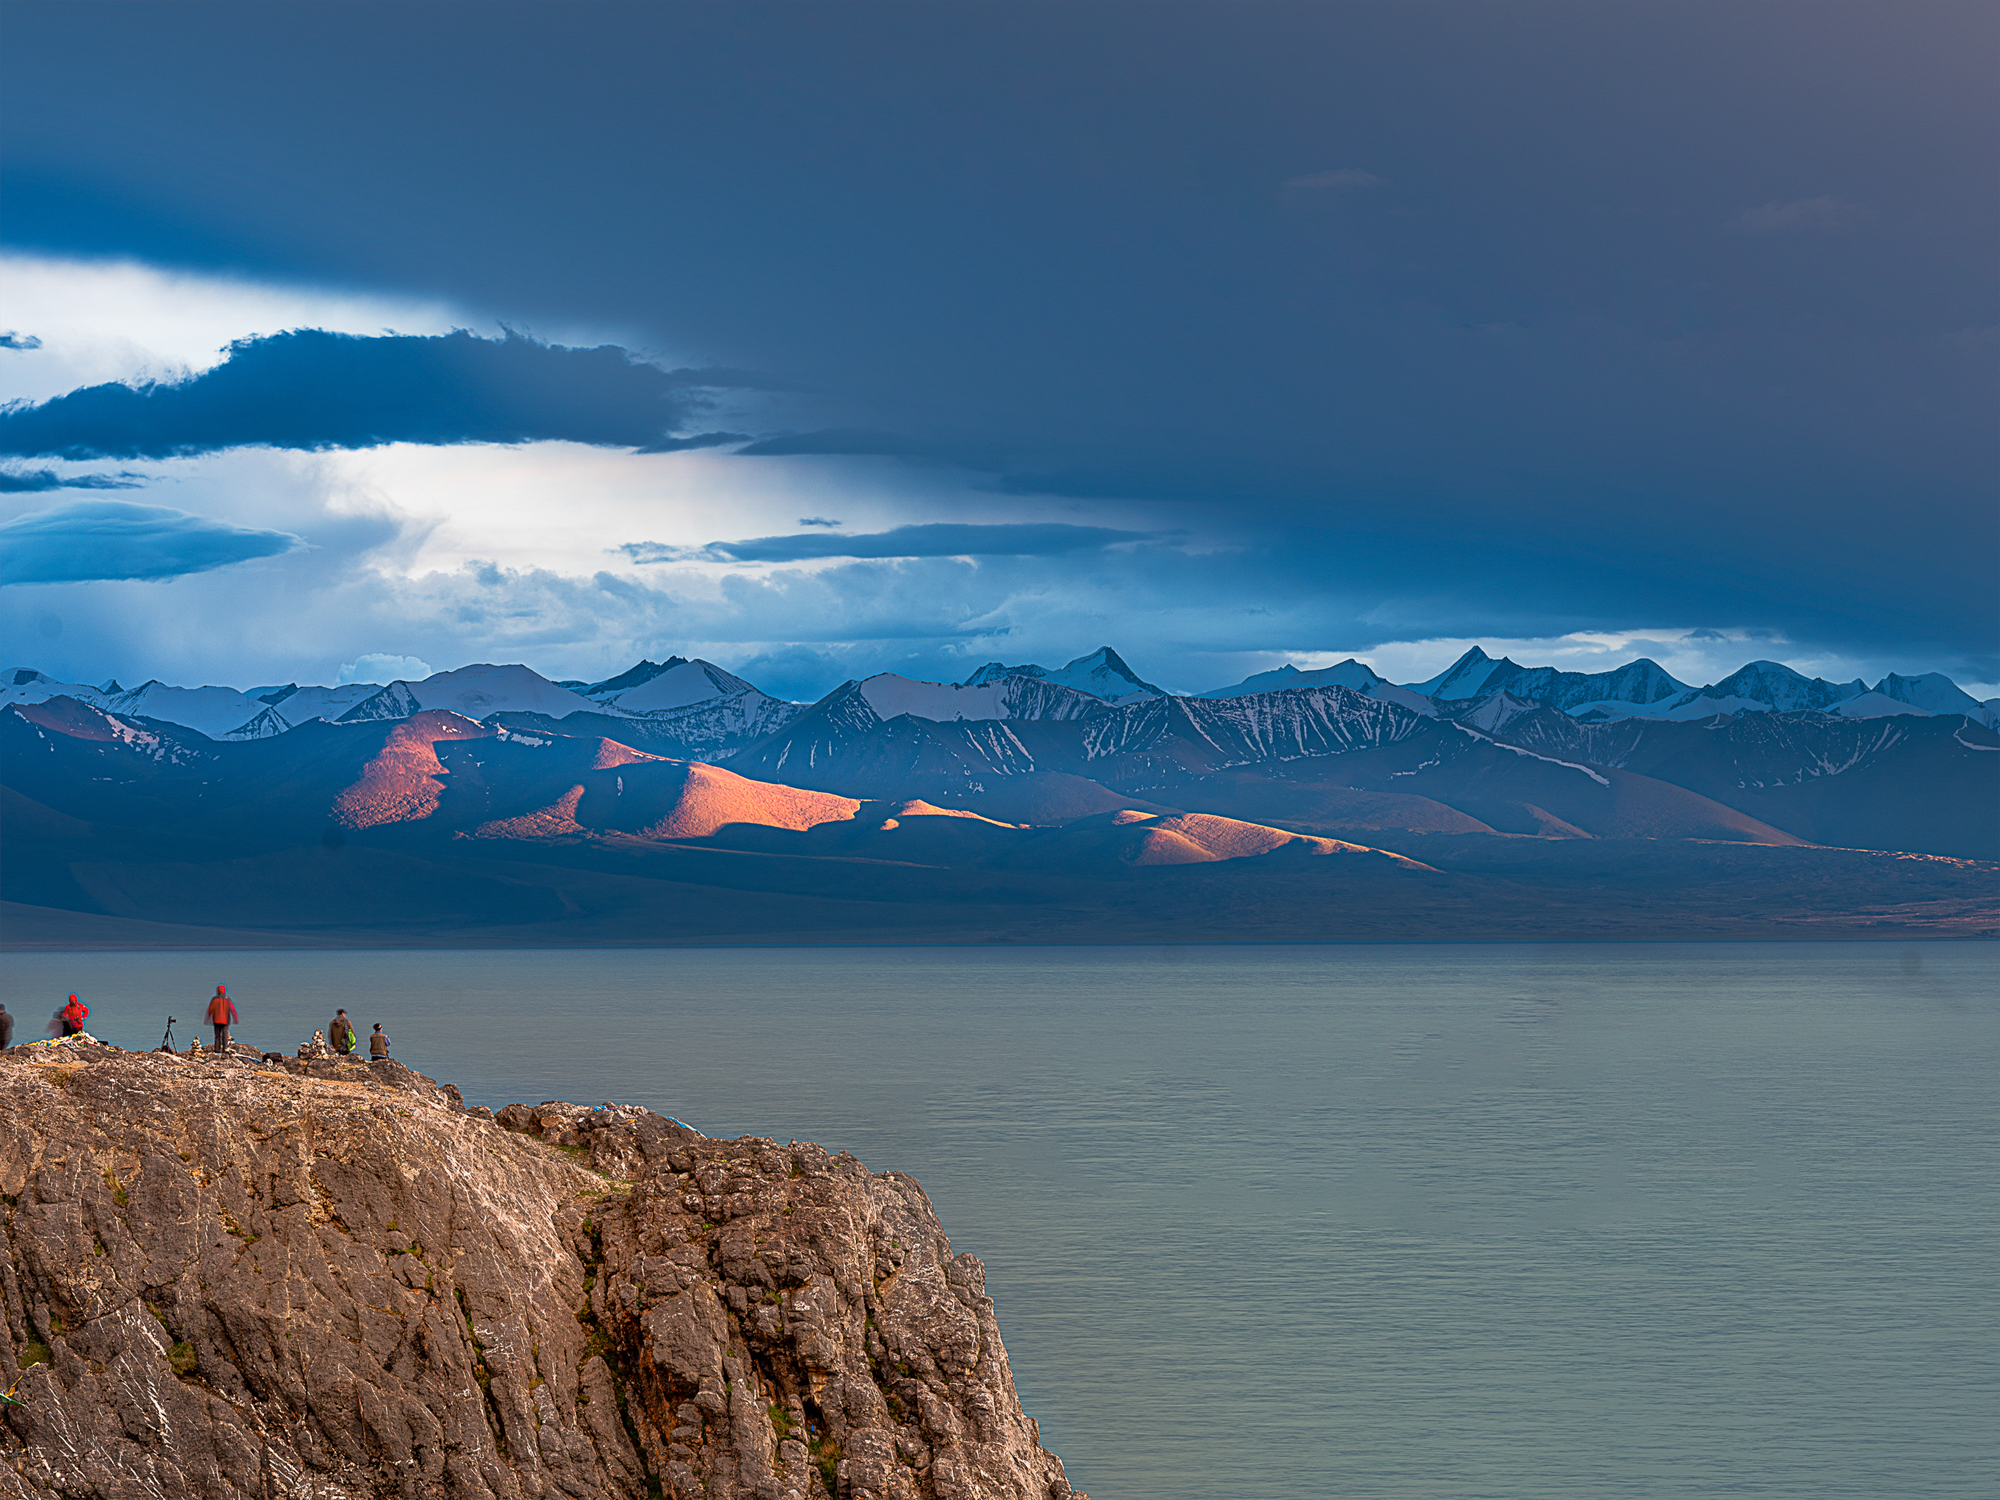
{"x": 221, "y": 1015}
{"x": 72, "y": 1016}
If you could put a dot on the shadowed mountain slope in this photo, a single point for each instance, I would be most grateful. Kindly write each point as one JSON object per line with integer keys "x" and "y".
{"x": 1187, "y": 828}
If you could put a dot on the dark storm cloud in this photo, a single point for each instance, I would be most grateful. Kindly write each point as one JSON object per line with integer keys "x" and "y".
{"x": 1050, "y": 539}
{"x": 107, "y": 539}
{"x": 839, "y": 440}
{"x": 1677, "y": 304}
{"x": 864, "y": 442}
{"x": 37, "y": 481}
{"x": 310, "y": 389}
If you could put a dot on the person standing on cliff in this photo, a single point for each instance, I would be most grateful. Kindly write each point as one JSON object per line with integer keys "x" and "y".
{"x": 72, "y": 1016}
{"x": 378, "y": 1044}
{"x": 6, "y": 1029}
{"x": 340, "y": 1034}
{"x": 221, "y": 1015}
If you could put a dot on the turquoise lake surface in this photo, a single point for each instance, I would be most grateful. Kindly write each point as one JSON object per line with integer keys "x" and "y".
{"x": 1270, "y": 1223}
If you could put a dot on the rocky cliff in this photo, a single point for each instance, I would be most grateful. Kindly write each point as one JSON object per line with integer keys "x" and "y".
{"x": 247, "y": 1276}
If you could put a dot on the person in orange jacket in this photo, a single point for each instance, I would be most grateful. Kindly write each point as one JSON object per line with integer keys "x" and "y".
{"x": 72, "y": 1016}
{"x": 221, "y": 1015}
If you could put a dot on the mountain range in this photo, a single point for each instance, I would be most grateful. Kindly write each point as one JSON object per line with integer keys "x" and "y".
{"x": 706, "y": 706}
{"x": 677, "y": 802}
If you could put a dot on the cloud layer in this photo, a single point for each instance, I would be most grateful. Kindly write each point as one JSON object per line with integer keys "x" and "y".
{"x": 937, "y": 539}
{"x": 1520, "y": 322}
{"x": 39, "y": 481}
{"x": 315, "y": 390}
{"x": 89, "y": 540}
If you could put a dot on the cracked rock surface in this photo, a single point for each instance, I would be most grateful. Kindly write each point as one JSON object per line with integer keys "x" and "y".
{"x": 259, "y": 1277}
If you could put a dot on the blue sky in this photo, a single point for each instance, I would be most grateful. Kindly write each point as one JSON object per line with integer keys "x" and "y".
{"x": 1225, "y": 334}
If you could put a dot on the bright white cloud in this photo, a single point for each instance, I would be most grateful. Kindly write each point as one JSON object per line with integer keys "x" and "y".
{"x": 122, "y": 320}
{"x": 569, "y": 508}
{"x": 377, "y": 666}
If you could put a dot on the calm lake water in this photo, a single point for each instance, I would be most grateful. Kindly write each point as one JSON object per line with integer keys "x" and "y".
{"x": 1278, "y": 1223}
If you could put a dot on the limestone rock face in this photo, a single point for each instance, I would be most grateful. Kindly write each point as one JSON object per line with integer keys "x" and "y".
{"x": 257, "y": 1277}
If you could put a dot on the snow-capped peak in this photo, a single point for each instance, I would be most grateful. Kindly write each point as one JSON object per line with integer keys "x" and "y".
{"x": 475, "y": 692}
{"x": 1769, "y": 685}
{"x": 1462, "y": 679}
{"x": 26, "y": 685}
{"x": 659, "y": 687}
{"x": 210, "y": 710}
{"x": 1355, "y": 676}
{"x": 1011, "y": 697}
{"x": 993, "y": 671}
{"x": 631, "y": 677}
{"x": 1102, "y": 674}
{"x": 1351, "y": 674}
{"x": 1933, "y": 691}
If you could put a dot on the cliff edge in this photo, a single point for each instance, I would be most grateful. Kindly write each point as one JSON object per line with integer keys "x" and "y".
{"x": 245, "y": 1276}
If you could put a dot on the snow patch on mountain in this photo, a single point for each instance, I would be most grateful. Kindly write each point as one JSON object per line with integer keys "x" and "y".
{"x": 1567, "y": 765}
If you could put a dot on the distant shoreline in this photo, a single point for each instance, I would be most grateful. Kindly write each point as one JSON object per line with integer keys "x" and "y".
{"x": 47, "y": 929}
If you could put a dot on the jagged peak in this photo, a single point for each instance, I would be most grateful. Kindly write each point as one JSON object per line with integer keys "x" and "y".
{"x": 993, "y": 671}
{"x": 643, "y": 671}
